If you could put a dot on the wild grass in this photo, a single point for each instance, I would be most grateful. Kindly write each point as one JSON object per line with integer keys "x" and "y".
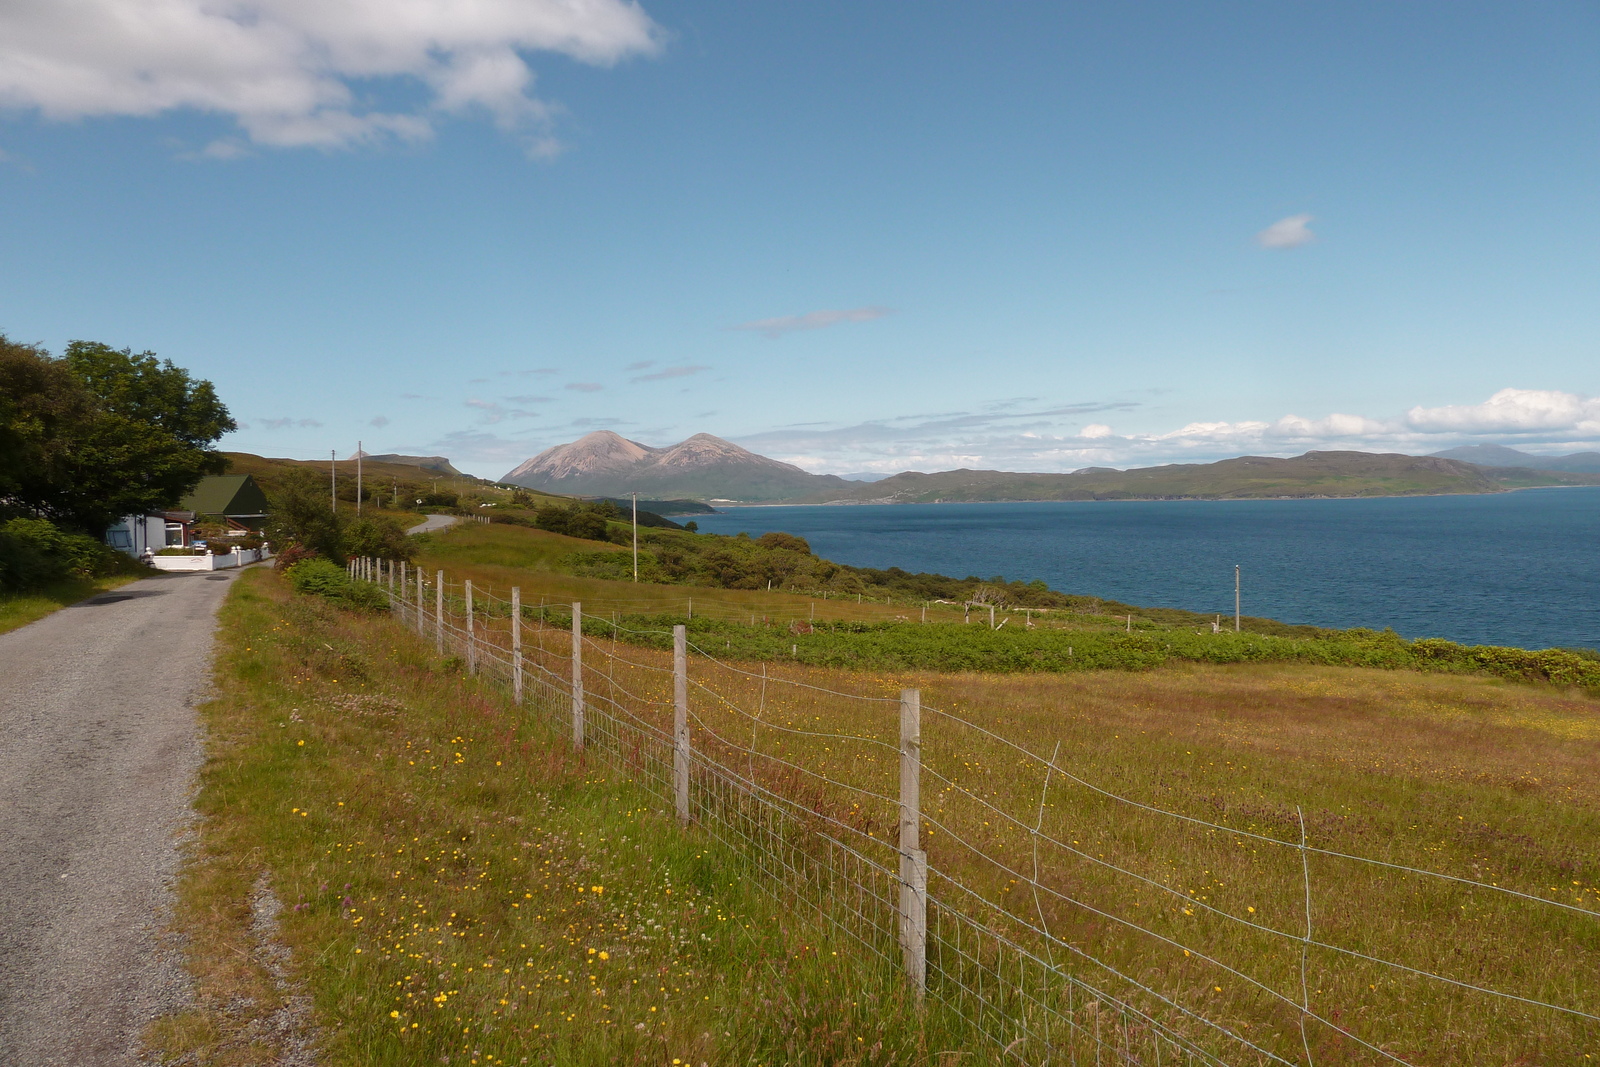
{"x": 19, "y": 609}
{"x": 461, "y": 887}
{"x": 1475, "y": 778}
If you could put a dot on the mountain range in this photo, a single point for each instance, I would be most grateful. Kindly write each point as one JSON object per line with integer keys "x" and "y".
{"x": 703, "y": 467}
{"x": 708, "y": 468}
{"x": 1501, "y": 456}
{"x": 1315, "y": 474}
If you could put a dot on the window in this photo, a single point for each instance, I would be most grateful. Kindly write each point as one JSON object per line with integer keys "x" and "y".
{"x": 174, "y": 534}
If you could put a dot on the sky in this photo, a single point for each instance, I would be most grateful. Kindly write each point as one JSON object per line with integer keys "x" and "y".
{"x": 863, "y": 238}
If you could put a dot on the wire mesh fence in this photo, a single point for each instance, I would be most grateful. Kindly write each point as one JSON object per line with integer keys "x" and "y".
{"x": 1066, "y": 922}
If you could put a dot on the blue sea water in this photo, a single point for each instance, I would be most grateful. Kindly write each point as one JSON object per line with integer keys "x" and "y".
{"x": 1520, "y": 568}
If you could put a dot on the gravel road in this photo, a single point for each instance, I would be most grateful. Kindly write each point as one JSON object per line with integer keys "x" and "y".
{"x": 99, "y": 746}
{"x": 434, "y": 522}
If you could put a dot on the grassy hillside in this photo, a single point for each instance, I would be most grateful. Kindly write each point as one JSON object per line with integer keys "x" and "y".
{"x": 1315, "y": 474}
{"x": 394, "y": 487}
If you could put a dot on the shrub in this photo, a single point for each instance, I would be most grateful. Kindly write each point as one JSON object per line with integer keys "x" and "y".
{"x": 580, "y": 520}
{"x": 379, "y": 537}
{"x": 320, "y": 577}
{"x": 292, "y": 554}
{"x": 34, "y": 552}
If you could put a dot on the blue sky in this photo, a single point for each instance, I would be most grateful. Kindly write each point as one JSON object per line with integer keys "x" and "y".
{"x": 858, "y": 237}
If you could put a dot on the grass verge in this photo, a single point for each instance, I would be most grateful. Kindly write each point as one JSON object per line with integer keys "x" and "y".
{"x": 460, "y": 887}
{"x": 19, "y": 609}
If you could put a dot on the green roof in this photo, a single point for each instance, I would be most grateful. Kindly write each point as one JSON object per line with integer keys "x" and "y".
{"x": 227, "y": 494}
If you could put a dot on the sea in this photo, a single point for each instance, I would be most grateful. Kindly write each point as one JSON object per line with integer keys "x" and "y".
{"x": 1518, "y": 568}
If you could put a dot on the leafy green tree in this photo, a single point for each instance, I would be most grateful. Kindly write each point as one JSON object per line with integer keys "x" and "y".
{"x": 379, "y": 537}
{"x": 303, "y": 521}
{"x": 101, "y": 433}
{"x": 44, "y": 407}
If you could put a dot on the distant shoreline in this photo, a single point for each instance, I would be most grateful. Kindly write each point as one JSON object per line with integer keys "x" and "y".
{"x": 722, "y": 506}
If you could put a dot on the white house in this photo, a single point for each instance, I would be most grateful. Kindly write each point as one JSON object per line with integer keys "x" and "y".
{"x": 138, "y": 535}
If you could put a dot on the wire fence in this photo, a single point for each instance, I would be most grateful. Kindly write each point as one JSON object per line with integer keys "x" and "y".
{"x": 1065, "y": 921}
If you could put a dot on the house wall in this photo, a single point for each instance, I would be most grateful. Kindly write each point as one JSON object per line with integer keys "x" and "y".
{"x": 135, "y": 533}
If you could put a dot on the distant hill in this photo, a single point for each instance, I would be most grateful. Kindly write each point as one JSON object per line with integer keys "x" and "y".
{"x": 1315, "y": 474}
{"x": 702, "y": 468}
{"x": 427, "y": 463}
{"x": 1501, "y": 456}
{"x": 662, "y": 507}
{"x": 380, "y": 472}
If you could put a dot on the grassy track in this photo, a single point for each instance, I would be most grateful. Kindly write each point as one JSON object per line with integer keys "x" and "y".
{"x": 461, "y": 888}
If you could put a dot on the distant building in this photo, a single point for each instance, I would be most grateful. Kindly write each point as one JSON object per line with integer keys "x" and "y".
{"x": 235, "y": 500}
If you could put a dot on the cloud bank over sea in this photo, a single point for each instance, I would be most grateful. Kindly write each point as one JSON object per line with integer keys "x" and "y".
{"x": 1064, "y": 438}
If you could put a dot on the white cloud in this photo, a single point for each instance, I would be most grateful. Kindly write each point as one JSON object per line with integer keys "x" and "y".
{"x": 670, "y": 372}
{"x": 1052, "y": 439}
{"x": 380, "y": 421}
{"x": 1513, "y": 411}
{"x": 285, "y": 423}
{"x": 493, "y": 412}
{"x": 1291, "y": 232}
{"x": 812, "y": 320}
{"x": 305, "y": 72}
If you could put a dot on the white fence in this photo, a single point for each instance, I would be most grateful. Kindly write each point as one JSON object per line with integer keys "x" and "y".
{"x": 209, "y": 561}
{"x": 1021, "y": 927}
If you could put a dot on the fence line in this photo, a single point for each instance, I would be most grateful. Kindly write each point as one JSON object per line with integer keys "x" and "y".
{"x": 1002, "y": 970}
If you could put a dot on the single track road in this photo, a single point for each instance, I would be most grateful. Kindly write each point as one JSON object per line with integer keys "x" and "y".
{"x": 434, "y": 522}
{"x": 101, "y": 748}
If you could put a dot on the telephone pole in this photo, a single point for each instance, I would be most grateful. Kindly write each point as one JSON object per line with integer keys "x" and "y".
{"x": 333, "y": 480}
{"x": 358, "y": 479}
{"x": 636, "y": 537}
{"x": 1235, "y": 598}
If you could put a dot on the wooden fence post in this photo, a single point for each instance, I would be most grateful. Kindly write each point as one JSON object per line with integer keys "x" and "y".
{"x": 405, "y": 591}
{"x": 472, "y": 635}
{"x": 421, "y": 619}
{"x": 516, "y": 644}
{"x": 913, "y": 860}
{"x": 577, "y": 675}
{"x": 438, "y": 615}
{"x": 680, "y": 723}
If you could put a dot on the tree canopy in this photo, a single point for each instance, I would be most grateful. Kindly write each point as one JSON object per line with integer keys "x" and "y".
{"x": 101, "y": 432}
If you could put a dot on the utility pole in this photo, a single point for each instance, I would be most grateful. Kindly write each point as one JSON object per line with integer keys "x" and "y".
{"x": 333, "y": 480}
{"x": 636, "y": 537}
{"x": 358, "y": 479}
{"x": 1235, "y": 598}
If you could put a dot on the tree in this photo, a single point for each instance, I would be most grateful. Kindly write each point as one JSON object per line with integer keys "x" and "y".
{"x": 101, "y": 433}
{"x": 304, "y": 519}
{"x": 380, "y": 537}
{"x": 43, "y": 408}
